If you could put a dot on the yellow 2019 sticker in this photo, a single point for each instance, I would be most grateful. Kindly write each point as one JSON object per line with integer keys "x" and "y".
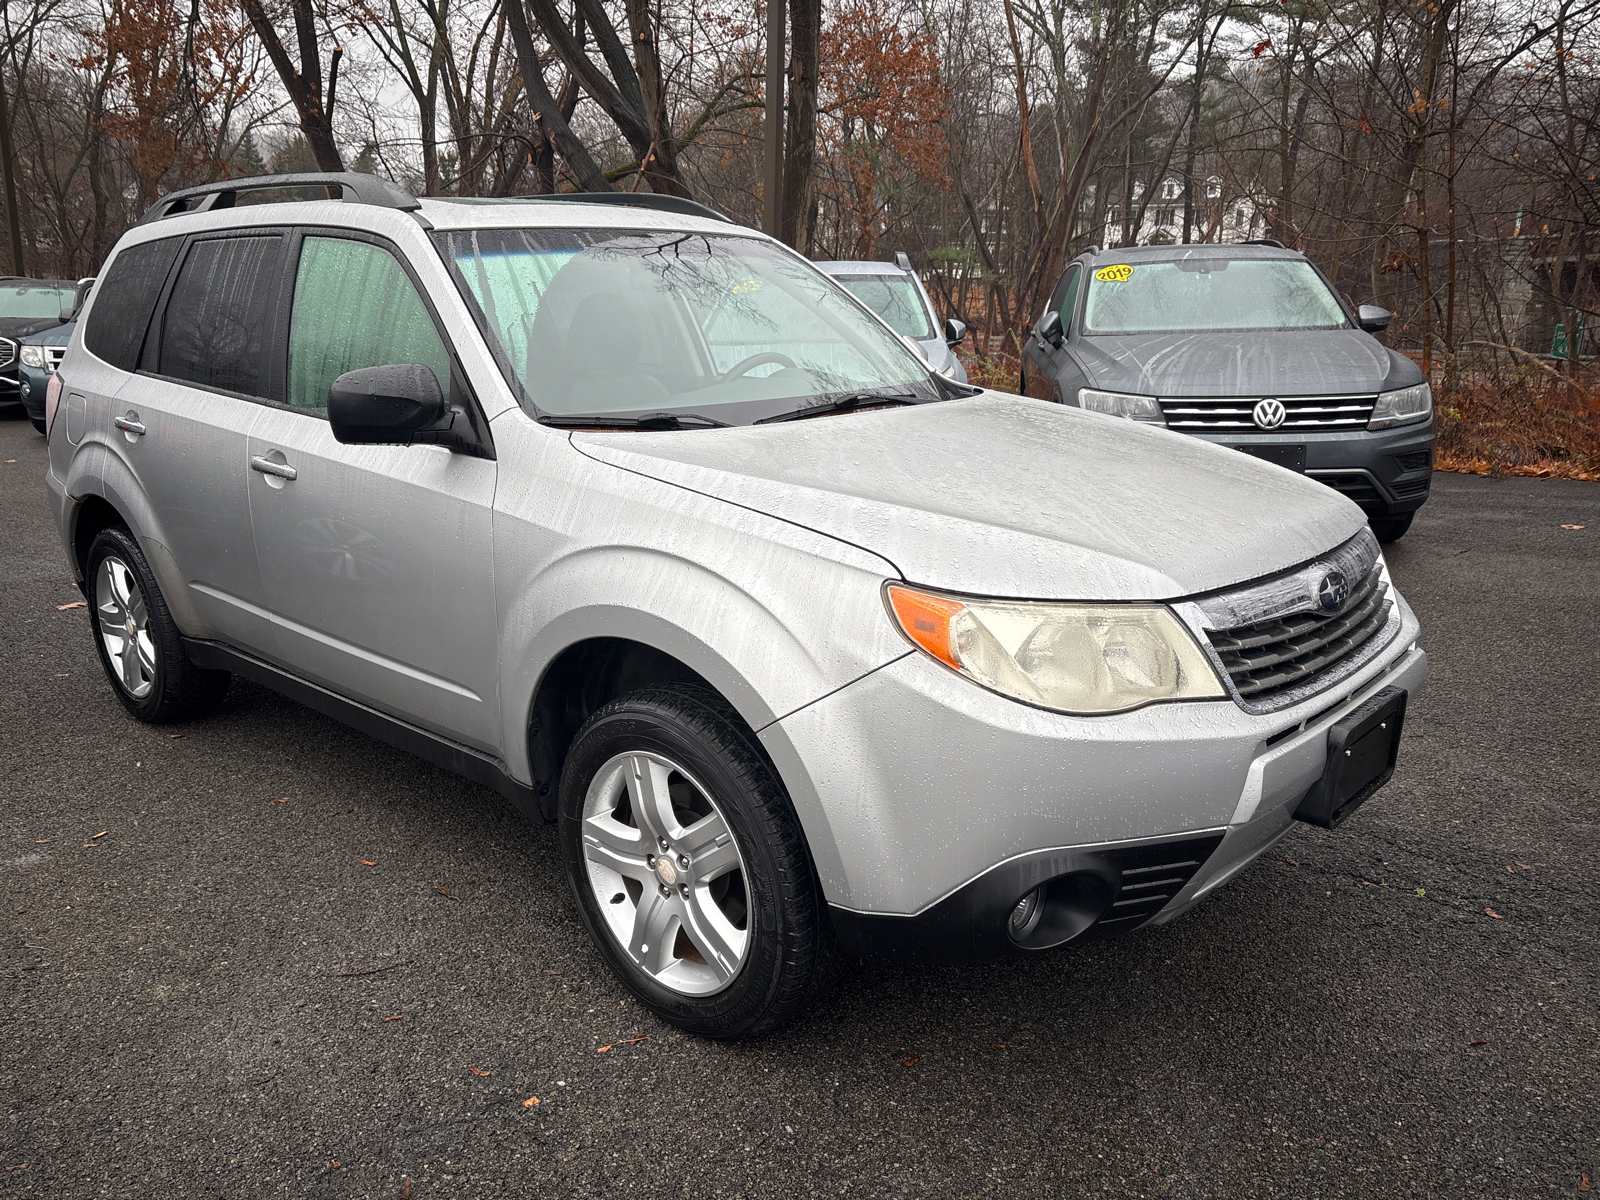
{"x": 1120, "y": 273}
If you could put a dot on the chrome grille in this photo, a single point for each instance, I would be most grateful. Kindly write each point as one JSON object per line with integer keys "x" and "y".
{"x": 53, "y": 356}
{"x": 8, "y": 352}
{"x": 1275, "y": 644}
{"x": 1269, "y": 656}
{"x": 1235, "y": 414}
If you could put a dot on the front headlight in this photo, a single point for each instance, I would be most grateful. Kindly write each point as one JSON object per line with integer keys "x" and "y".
{"x": 1116, "y": 404}
{"x": 1085, "y": 659}
{"x": 33, "y": 356}
{"x": 1404, "y": 407}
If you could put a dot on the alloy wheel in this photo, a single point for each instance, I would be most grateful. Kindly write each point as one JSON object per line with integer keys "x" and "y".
{"x": 124, "y": 621}
{"x": 666, "y": 873}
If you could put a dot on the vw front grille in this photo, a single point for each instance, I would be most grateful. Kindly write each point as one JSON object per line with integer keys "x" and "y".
{"x": 1236, "y": 415}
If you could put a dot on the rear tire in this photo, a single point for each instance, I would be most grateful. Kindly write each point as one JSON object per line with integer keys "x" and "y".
{"x": 689, "y": 866}
{"x": 140, "y": 646}
{"x": 1391, "y": 529}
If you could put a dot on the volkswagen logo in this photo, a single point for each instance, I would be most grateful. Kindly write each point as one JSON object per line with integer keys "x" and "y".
{"x": 1269, "y": 413}
{"x": 1333, "y": 591}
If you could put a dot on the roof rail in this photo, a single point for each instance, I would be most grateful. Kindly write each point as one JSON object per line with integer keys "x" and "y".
{"x": 224, "y": 193}
{"x": 1264, "y": 242}
{"x": 655, "y": 200}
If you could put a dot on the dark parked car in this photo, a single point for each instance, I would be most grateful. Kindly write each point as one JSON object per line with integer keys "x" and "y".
{"x": 1248, "y": 346}
{"x": 39, "y": 356}
{"x": 28, "y": 307}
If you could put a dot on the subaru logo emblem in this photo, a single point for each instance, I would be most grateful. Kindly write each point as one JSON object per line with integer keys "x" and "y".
{"x": 1333, "y": 591}
{"x": 1269, "y": 413}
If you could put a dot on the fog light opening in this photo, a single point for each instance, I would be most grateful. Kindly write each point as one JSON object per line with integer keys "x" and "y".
{"x": 1025, "y": 916}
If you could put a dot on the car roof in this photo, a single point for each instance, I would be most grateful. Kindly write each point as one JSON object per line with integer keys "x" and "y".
{"x": 1236, "y": 250}
{"x": 12, "y": 281}
{"x": 858, "y": 266}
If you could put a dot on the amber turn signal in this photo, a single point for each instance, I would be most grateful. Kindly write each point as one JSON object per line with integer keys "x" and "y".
{"x": 925, "y": 620}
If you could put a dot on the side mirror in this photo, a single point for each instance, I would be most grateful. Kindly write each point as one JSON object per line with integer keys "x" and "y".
{"x": 915, "y": 347}
{"x": 1372, "y": 318}
{"x": 377, "y": 406}
{"x": 1050, "y": 328}
{"x": 955, "y": 332}
{"x": 65, "y": 315}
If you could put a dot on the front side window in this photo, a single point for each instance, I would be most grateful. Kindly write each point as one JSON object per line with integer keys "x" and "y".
{"x": 215, "y": 324}
{"x": 603, "y": 321}
{"x": 1203, "y": 295}
{"x": 32, "y": 301}
{"x": 1065, "y": 298}
{"x": 895, "y": 298}
{"x": 354, "y": 306}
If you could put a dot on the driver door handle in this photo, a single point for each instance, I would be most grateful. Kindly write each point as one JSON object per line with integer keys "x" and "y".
{"x": 130, "y": 424}
{"x": 267, "y": 467}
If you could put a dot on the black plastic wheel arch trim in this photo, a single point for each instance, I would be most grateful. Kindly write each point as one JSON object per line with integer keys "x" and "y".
{"x": 1095, "y": 891}
{"x": 425, "y": 744}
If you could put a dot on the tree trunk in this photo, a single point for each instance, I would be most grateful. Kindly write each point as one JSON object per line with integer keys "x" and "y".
{"x": 547, "y": 113}
{"x": 8, "y": 167}
{"x": 800, "y": 147}
{"x": 304, "y": 84}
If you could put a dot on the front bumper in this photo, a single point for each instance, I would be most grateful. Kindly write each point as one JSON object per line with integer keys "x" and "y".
{"x": 32, "y": 383}
{"x": 947, "y": 803}
{"x": 1387, "y": 472}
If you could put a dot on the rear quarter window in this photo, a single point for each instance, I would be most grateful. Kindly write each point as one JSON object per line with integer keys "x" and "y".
{"x": 125, "y": 297}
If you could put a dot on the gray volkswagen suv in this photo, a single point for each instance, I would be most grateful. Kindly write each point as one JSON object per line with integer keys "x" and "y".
{"x": 637, "y": 517}
{"x": 1246, "y": 346}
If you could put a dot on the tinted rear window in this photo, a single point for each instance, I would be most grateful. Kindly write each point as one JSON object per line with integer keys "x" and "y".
{"x": 125, "y": 297}
{"x": 215, "y": 324}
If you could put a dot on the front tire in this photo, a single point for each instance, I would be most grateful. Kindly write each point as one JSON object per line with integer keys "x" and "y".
{"x": 1391, "y": 529}
{"x": 38, "y": 424}
{"x": 689, "y": 867}
{"x": 140, "y": 646}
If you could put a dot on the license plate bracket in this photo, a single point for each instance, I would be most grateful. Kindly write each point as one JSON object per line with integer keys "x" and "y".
{"x": 1362, "y": 748}
{"x": 1292, "y": 457}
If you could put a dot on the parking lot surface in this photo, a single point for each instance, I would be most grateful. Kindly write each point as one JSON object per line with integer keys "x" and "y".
{"x": 264, "y": 956}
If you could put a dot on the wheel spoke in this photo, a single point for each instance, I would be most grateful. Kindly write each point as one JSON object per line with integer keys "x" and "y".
{"x": 146, "y": 649}
{"x": 121, "y": 581}
{"x": 129, "y": 661}
{"x": 647, "y": 789}
{"x": 648, "y": 942}
{"x": 719, "y": 943}
{"x": 710, "y": 846}
{"x": 136, "y": 608}
{"x": 607, "y": 842}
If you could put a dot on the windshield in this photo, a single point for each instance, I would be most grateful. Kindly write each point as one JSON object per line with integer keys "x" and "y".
{"x": 622, "y": 322}
{"x": 896, "y": 299}
{"x": 36, "y": 302}
{"x": 1199, "y": 295}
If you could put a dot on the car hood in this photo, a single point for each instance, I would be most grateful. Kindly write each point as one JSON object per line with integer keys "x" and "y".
{"x": 17, "y": 328}
{"x": 1310, "y": 362}
{"x": 1003, "y": 496}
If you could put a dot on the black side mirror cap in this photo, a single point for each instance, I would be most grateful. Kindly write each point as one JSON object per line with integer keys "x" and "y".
{"x": 1050, "y": 328}
{"x": 1372, "y": 318}
{"x": 387, "y": 406}
{"x": 66, "y": 314}
{"x": 955, "y": 332}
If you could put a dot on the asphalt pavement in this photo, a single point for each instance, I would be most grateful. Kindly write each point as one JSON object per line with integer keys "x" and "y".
{"x": 264, "y": 956}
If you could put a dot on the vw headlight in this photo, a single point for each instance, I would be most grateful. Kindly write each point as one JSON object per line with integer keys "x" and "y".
{"x": 33, "y": 356}
{"x": 1116, "y": 404}
{"x": 1404, "y": 407}
{"x": 1085, "y": 659}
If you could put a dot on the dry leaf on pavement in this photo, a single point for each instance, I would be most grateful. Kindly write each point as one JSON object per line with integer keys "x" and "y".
{"x": 530, "y": 1102}
{"x": 912, "y": 1060}
{"x": 1477, "y": 1041}
{"x": 1494, "y": 914}
{"x": 481, "y": 1074}
{"x": 74, "y": 604}
{"x": 1573, "y": 527}
{"x": 396, "y": 1017}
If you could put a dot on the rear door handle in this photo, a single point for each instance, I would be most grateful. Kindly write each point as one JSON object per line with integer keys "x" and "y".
{"x": 267, "y": 467}
{"x": 130, "y": 424}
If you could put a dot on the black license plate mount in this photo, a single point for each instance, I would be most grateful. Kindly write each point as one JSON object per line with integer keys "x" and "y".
{"x": 1362, "y": 748}
{"x": 1292, "y": 457}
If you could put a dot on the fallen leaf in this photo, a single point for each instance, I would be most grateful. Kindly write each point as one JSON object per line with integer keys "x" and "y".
{"x": 405, "y": 1191}
{"x": 998, "y": 1045}
{"x": 11, "y": 460}
{"x": 530, "y": 1102}
{"x": 603, "y": 1049}
{"x": 335, "y": 1165}
{"x": 1477, "y": 1041}
{"x": 101, "y": 834}
{"x": 446, "y": 894}
{"x": 74, "y": 604}
{"x": 643, "y": 1037}
{"x": 280, "y": 800}
{"x": 1574, "y": 527}
{"x": 24, "y": 1167}
{"x": 367, "y": 862}
{"x": 1583, "y": 1183}
{"x": 1525, "y": 866}
{"x": 174, "y": 736}
{"x": 912, "y": 1060}
{"x": 268, "y": 1079}
{"x": 1494, "y": 914}
{"x": 42, "y": 841}
{"x": 481, "y": 1074}
{"x": 396, "y": 1017}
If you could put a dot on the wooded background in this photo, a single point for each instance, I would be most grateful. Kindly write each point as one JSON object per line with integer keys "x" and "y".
{"x": 1438, "y": 157}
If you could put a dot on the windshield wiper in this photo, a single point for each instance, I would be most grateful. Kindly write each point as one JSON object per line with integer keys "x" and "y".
{"x": 649, "y": 422}
{"x": 842, "y": 404}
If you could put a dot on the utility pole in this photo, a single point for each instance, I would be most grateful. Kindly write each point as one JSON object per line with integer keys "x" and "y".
{"x": 8, "y": 166}
{"x": 772, "y": 185}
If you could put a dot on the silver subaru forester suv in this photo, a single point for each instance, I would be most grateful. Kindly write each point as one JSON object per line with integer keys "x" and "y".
{"x": 637, "y": 517}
